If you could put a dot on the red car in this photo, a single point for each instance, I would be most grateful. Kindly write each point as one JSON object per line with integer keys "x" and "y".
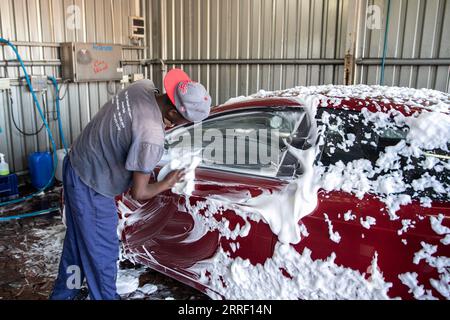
{"x": 367, "y": 217}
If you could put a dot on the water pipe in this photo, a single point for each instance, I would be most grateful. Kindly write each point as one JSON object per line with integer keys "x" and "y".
{"x": 41, "y": 113}
{"x": 385, "y": 45}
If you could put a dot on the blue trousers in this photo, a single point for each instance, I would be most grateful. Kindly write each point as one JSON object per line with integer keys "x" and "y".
{"x": 91, "y": 245}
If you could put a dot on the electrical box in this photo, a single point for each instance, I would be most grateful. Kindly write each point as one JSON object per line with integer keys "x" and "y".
{"x": 136, "y": 77}
{"x": 38, "y": 82}
{"x": 88, "y": 62}
{"x": 5, "y": 83}
{"x": 137, "y": 27}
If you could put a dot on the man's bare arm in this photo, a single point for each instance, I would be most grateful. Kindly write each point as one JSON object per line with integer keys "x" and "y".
{"x": 142, "y": 190}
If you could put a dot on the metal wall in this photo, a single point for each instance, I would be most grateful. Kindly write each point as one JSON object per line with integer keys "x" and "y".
{"x": 237, "y": 47}
{"x": 419, "y": 34}
{"x": 50, "y": 22}
{"x": 234, "y": 47}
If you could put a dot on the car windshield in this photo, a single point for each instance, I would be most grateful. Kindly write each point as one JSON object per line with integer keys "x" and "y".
{"x": 348, "y": 136}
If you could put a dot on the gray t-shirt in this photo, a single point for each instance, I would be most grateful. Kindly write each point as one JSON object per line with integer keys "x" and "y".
{"x": 126, "y": 135}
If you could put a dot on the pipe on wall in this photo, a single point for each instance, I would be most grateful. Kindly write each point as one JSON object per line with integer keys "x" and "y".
{"x": 403, "y": 62}
{"x": 250, "y": 61}
{"x": 58, "y": 45}
{"x": 385, "y": 44}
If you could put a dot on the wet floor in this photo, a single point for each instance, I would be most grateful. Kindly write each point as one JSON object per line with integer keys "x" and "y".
{"x": 29, "y": 256}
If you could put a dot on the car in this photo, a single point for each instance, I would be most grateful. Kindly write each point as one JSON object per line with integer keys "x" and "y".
{"x": 352, "y": 202}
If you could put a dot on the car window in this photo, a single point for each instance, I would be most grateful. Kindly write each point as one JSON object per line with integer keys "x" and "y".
{"x": 348, "y": 136}
{"x": 251, "y": 142}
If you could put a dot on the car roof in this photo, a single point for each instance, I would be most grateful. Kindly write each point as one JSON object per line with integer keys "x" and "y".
{"x": 354, "y": 98}
{"x": 351, "y": 104}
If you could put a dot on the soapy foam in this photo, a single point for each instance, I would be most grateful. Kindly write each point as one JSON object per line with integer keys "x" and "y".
{"x": 334, "y": 235}
{"x": 368, "y": 222}
{"x": 419, "y": 98}
{"x": 409, "y": 279}
{"x": 128, "y": 280}
{"x": 357, "y": 176}
{"x": 310, "y": 279}
{"x": 188, "y": 164}
{"x": 348, "y": 216}
{"x": 283, "y": 210}
{"x": 45, "y": 250}
{"x": 436, "y": 225}
{"x": 442, "y": 266}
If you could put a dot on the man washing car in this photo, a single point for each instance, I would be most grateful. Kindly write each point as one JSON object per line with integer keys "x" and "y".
{"x": 117, "y": 150}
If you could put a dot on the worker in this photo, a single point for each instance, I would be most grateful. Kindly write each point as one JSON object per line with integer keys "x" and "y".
{"x": 117, "y": 150}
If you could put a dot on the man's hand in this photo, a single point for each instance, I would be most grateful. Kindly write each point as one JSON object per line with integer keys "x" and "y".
{"x": 143, "y": 191}
{"x": 173, "y": 178}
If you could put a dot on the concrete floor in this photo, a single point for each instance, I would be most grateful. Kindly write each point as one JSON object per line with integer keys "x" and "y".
{"x": 29, "y": 256}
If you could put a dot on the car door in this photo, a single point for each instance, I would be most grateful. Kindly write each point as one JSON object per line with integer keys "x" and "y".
{"x": 244, "y": 154}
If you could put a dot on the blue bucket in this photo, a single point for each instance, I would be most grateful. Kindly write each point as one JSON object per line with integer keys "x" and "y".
{"x": 41, "y": 169}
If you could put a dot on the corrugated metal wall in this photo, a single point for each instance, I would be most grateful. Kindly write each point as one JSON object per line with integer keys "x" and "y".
{"x": 47, "y": 21}
{"x": 419, "y": 29}
{"x": 237, "y": 47}
{"x": 221, "y": 43}
{"x": 234, "y": 47}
